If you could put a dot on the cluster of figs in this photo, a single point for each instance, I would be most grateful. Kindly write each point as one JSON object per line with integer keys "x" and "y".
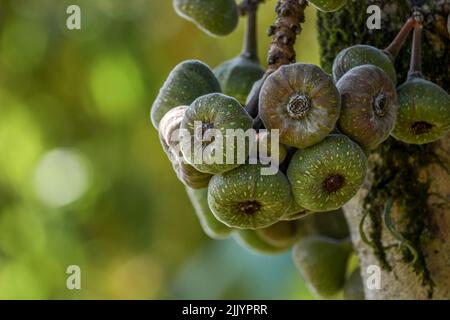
{"x": 327, "y": 126}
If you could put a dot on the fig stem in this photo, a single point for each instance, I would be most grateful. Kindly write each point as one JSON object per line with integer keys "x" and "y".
{"x": 415, "y": 69}
{"x": 396, "y": 45}
{"x": 250, "y": 48}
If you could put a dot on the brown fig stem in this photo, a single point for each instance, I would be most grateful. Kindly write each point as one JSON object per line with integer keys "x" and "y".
{"x": 250, "y": 49}
{"x": 394, "y": 48}
{"x": 415, "y": 69}
{"x": 284, "y": 32}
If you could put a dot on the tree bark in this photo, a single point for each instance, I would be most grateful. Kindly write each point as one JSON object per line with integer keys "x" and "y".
{"x": 415, "y": 177}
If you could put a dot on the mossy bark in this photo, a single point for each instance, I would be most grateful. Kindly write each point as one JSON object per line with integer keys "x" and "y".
{"x": 414, "y": 251}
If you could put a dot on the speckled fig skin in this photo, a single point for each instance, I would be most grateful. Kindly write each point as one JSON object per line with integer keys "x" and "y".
{"x": 424, "y": 112}
{"x": 245, "y": 199}
{"x": 327, "y": 5}
{"x": 359, "y": 55}
{"x": 322, "y": 263}
{"x": 369, "y": 105}
{"x": 185, "y": 172}
{"x": 186, "y": 82}
{"x": 354, "y": 287}
{"x": 302, "y": 102}
{"x": 327, "y": 175}
{"x": 281, "y": 234}
{"x": 252, "y": 241}
{"x": 215, "y": 111}
{"x": 237, "y": 77}
{"x": 217, "y": 18}
{"x": 210, "y": 225}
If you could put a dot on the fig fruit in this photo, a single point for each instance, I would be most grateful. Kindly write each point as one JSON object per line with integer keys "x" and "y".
{"x": 186, "y": 82}
{"x": 168, "y": 127}
{"x": 302, "y": 102}
{"x": 210, "y": 225}
{"x": 330, "y": 224}
{"x": 328, "y": 5}
{"x": 251, "y": 240}
{"x": 369, "y": 105}
{"x": 206, "y": 118}
{"x": 359, "y": 55}
{"x": 217, "y": 18}
{"x": 281, "y": 234}
{"x": 322, "y": 263}
{"x": 424, "y": 112}
{"x": 244, "y": 198}
{"x": 353, "y": 288}
{"x": 237, "y": 77}
{"x": 327, "y": 175}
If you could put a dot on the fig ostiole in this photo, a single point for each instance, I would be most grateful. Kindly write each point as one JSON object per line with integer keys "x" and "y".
{"x": 302, "y": 101}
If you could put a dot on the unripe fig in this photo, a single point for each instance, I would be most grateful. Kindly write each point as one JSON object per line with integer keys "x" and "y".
{"x": 281, "y": 234}
{"x": 424, "y": 112}
{"x": 327, "y": 5}
{"x": 353, "y": 288}
{"x": 222, "y": 113}
{"x": 359, "y": 55}
{"x": 168, "y": 127}
{"x": 327, "y": 175}
{"x": 295, "y": 212}
{"x": 218, "y": 17}
{"x": 369, "y": 105}
{"x": 251, "y": 240}
{"x": 245, "y": 198}
{"x": 237, "y": 77}
{"x": 302, "y": 102}
{"x": 210, "y": 225}
{"x": 330, "y": 224}
{"x": 322, "y": 262}
{"x": 186, "y": 82}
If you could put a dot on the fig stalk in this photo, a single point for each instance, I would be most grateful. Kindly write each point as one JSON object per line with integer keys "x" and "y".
{"x": 415, "y": 70}
{"x": 394, "y": 48}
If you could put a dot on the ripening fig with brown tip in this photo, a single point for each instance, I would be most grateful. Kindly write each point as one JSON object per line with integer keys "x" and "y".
{"x": 369, "y": 105}
{"x": 301, "y": 101}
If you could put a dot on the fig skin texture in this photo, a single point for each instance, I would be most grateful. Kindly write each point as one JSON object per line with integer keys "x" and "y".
{"x": 210, "y": 225}
{"x": 237, "y": 77}
{"x": 359, "y": 55}
{"x": 214, "y": 111}
{"x": 322, "y": 262}
{"x": 244, "y": 198}
{"x": 369, "y": 105}
{"x": 186, "y": 82}
{"x": 328, "y": 5}
{"x": 302, "y": 102}
{"x": 327, "y": 175}
{"x": 185, "y": 172}
{"x": 354, "y": 288}
{"x": 424, "y": 112}
{"x": 216, "y": 18}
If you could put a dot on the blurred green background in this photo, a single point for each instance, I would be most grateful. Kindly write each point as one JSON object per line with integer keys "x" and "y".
{"x": 83, "y": 179}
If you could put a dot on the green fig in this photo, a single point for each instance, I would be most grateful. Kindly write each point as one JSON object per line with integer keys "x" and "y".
{"x": 359, "y": 55}
{"x": 353, "y": 288}
{"x": 186, "y": 82}
{"x": 328, "y": 5}
{"x": 245, "y": 198}
{"x": 168, "y": 130}
{"x": 302, "y": 102}
{"x": 331, "y": 224}
{"x": 237, "y": 77}
{"x": 215, "y": 17}
{"x": 249, "y": 239}
{"x": 210, "y": 225}
{"x": 327, "y": 175}
{"x": 206, "y": 118}
{"x": 424, "y": 112}
{"x": 322, "y": 262}
{"x": 281, "y": 234}
{"x": 369, "y": 105}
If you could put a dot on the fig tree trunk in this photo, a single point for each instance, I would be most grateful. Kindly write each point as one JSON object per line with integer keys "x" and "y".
{"x": 413, "y": 253}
